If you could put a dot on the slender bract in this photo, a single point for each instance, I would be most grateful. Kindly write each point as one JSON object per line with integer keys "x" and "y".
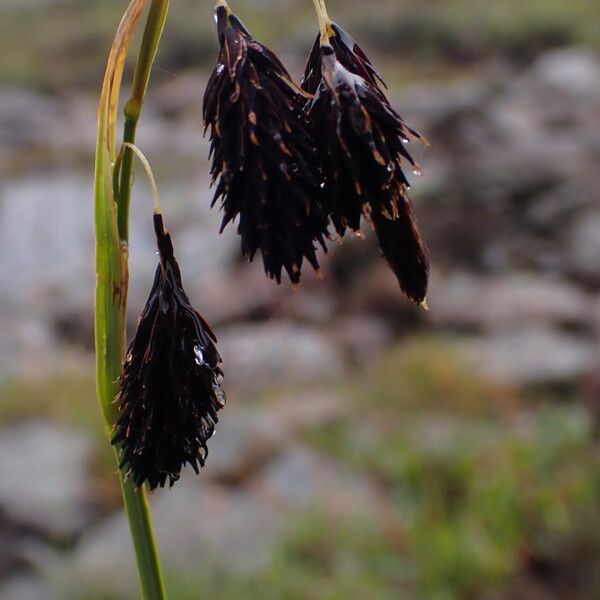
{"x": 111, "y": 284}
{"x": 170, "y": 388}
{"x": 263, "y": 157}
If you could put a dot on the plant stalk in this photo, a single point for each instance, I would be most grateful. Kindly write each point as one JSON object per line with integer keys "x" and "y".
{"x": 324, "y": 21}
{"x": 111, "y": 208}
{"x": 133, "y": 107}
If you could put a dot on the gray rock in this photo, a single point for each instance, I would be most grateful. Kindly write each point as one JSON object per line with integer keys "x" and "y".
{"x": 196, "y": 524}
{"x": 199, "y": 523}
{"x": 28, "y": 119}
{"x": 302, "y": 478}
{"x": 304, "y": 410}
{"x": 248, "y": 438}
{"x": 466, "y": 301}
{"x": 596, "y": 314}
{"x": 532, "y": 356}
{"x": 243, "y": 441}
{"x": 312, "y": 305}
{"x": 24, "y": 586}
{"x": 572, "y": 71}
{"x": 46, "y": 230}
{"x": 45, "y": 129}
{"x": 45, "y": 477}
{"x": 376, "y": 292}
{"x": 242, "y": 294}
{"x": 364, "y": 338}
{"x": 267, "y": 355}
{"x": 435, "y": 104}
{"x": 551, "y": 211}
{"x": 583, "y": 248}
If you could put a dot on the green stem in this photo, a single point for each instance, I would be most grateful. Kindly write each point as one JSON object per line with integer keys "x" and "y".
{"x": 111, "y": 295}
{"x": 133, "y": 107}
{"x": 135, "y": 500}
{"x": 111, "y": 210}
{"x": 140, "y": 524}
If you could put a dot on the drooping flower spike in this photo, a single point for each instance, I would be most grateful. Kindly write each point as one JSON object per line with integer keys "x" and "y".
{"x": 361, "y": 140}
{"x": 401, "y": 245}
{"x": 170, "y": 387}
{"x": 263, "y": 157}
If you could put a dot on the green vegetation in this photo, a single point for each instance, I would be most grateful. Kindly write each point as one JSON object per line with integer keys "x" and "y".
{"x": 481, "y": 510}
{"x": 482, "y": 502}
{"x": 423, "y": 33}
{"x": 487, "y": 492}
{"x": 487, "y": 495}
{"x": 69, "y": 398}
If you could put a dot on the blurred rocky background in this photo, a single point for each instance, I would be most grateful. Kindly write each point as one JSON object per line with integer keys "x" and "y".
{"x": 368, "y": 449}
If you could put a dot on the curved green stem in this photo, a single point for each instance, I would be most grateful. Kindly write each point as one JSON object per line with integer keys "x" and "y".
{"x": 149, "y": 174}
{"x": 133, "y": 107}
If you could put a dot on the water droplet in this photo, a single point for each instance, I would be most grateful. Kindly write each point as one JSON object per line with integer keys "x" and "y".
{"x": 219, "y": 395}
{"x": 417, "y": 171}
{"x": 220, "y": 68}
{"x": 199, "y": 360}
{"x": 405, "y": 140}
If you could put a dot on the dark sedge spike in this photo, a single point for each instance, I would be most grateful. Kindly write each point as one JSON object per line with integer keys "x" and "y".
{"x": 264, "y": 161}
{"x": 170, "y": 386}
{"x": 361, "y": 141}
{"x": 361, "y": 144}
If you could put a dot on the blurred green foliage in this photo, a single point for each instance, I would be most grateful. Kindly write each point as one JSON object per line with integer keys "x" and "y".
{"x": 67, "y": 40}
{"x": 67, "y": 397}
{"x": 484, "y": 495}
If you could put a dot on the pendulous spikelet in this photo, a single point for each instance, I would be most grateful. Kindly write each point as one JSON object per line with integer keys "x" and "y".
{"x": 263, "y": 155}
{"x": 361, "y": 140}
{"x": 400, "y": 244}
{"x": 170, "y": 386}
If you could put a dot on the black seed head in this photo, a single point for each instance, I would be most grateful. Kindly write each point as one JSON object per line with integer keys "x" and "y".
{"x": 263, "y": 157}
{"x": 170, "y": 386}
{"x": 361, "y": 141}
